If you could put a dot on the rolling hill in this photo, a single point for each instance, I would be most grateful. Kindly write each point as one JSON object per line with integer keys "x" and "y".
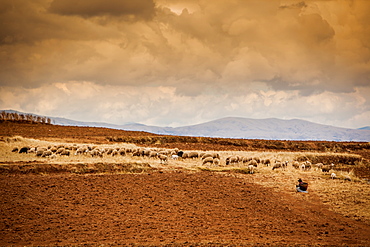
{"x": 245, "y": 128}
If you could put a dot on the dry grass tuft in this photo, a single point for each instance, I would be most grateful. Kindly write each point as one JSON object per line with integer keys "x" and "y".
{"x": 12, "y": 139}
{"x": 335, "y": 158}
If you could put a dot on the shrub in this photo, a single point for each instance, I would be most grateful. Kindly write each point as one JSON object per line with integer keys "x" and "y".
{"x": 345, "y": 159}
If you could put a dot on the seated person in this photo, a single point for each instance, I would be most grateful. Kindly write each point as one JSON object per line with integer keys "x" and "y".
{"x": 302, "y": 186}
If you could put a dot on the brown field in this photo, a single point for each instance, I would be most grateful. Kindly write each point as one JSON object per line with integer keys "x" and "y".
{"x": 138, "y": 201}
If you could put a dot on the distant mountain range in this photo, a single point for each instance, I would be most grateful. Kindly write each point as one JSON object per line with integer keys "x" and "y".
{"x": 244, "y": 128}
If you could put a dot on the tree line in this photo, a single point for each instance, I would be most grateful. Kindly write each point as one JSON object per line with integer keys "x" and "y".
{"x": 20, "y": 117}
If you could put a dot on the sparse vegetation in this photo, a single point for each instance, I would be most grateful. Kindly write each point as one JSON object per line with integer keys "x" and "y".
{"x": 26, "y": 118}
{"x": 136, "y": 154}
{"x": 335, "y": 158}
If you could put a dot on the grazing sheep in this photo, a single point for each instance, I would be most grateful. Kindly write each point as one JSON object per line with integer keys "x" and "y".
{"x": 284, "y": 165}
{"x": 180, "y": 153}
{"x": 136, "y": 153}
{"x": 46, "y": 153}
{"x": 251, "y": 169}
{"x": 232, "y": 160}
{"x": 65, "y": 152}
{"x": 174, "y": 156}
{"x": 266, "y": 162}
{"x": 24, "y": 150}
{"x": 94, "y": 152}
{"x": 319, "y": 166}
{"x": 308, "y": 165}
{"x": 193, "y": 155}
{"x": 296, "y": 164}
{"x": 303, "y": 167}
{"x": 333, "y": 175}
{"x": 60, "y": 150}
{"x": 253, "y": 162}
{"x": 122, "y": 151}
{"x": 32, "y": 150}
{"x": 163, "y": 158}
{"x": 277, "y": 165}
{"x": 257, "y": 159}
{"x": 164, "y": 152}
{"x": 216, "y": 161}
{"x": 81, "y": 150}
{"x": 185, "y": 155}
{"x": 152, "y": 154}
{"x": 213, "y": 155}
{"x": 39, "y": 153}
{"x": 246, "y": 159}
{"x": 206, "y": 155}
{"x": 15, "y": 150}
{"x": 207, "y": 160}
{"x": 146, "y": 152}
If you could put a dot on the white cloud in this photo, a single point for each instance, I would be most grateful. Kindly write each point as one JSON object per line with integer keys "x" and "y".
{"x": 88, "y": 101}
{"x": 226, "y": 58}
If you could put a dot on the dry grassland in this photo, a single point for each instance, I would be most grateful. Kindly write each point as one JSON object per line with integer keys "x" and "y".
{"x": 349, "y": 198}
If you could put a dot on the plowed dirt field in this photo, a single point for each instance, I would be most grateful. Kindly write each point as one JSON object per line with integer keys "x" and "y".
{"x": 164, "y": 208}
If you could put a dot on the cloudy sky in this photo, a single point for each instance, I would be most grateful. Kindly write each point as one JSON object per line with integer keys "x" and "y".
{"x": 182, "y": 62}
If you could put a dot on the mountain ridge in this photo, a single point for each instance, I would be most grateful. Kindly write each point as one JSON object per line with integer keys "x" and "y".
{"x": 240, "y": 128}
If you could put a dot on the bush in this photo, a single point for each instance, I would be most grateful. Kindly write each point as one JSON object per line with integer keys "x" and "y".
{"x": 345, "y": 159}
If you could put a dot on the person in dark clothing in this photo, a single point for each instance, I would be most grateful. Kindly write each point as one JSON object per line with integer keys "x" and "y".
{"x": 302, "y": 186}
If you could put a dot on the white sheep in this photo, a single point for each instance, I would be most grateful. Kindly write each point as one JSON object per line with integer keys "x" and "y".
{"x": 216, "y": 161}
{"x": 253, "y": 162}
{"x": 163, "y": 158}
{"x": 333, "y": 175}
{"x": 46, "y": 153}
{"x": 207, "y": 160}
{"x": 319, "y": 166}
{"x": 277, "y": 165}
{"x": 296, "y": 165}
{"x": 308, "y": 165}
{"x": 174, "y": 156}
{"x": 152, "y": 154}
{"x": 251, "y": 169}
{"x": 213, "y": 155}
{"x": 232, "y": 160}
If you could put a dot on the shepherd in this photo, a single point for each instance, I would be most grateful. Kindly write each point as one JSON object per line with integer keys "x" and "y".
{"x": 302, "y": 186}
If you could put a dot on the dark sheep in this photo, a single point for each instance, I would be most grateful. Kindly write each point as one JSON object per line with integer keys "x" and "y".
{"x": 24, "y": 150}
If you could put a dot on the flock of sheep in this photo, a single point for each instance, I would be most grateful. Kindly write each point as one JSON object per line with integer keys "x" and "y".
{"x": 164, "y": 155}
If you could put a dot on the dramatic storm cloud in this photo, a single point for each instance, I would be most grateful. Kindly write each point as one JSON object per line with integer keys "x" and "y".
{"x": 182, "y": 62}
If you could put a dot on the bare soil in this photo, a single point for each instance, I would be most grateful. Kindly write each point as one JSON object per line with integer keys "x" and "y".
{"x": 159, "y": 208}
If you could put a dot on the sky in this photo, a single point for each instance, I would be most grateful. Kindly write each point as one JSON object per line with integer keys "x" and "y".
{"x": 183, "y": 62}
